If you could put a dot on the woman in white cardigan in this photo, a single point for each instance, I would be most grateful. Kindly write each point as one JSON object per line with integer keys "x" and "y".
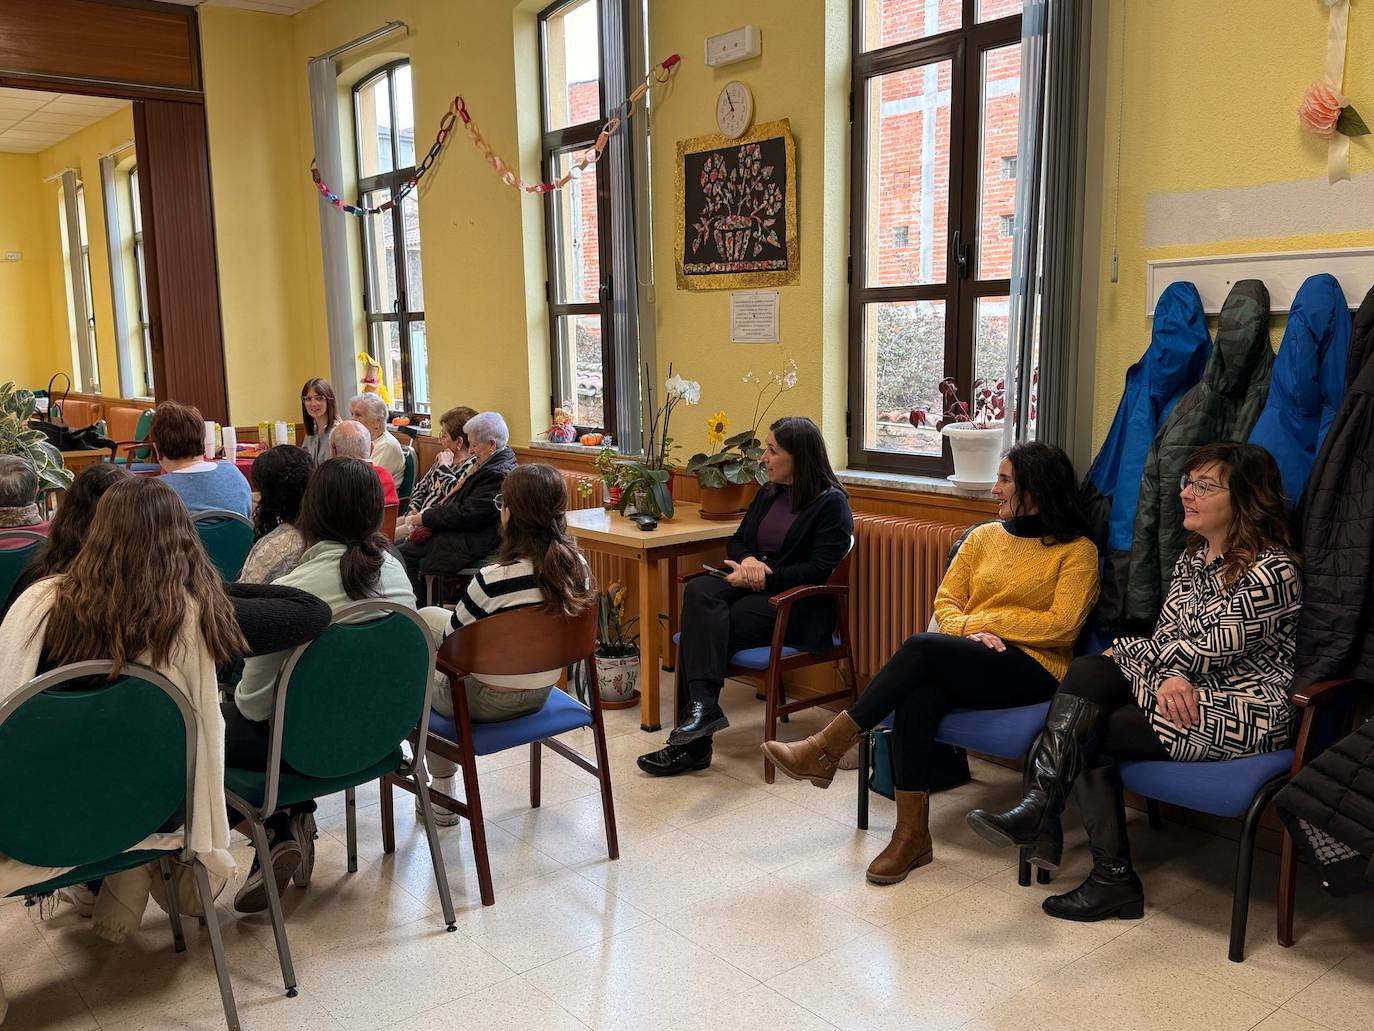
{"x": 141, "y": 590}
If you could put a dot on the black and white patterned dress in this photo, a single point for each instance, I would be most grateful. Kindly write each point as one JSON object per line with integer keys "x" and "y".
{"x": 1234, "y": 644}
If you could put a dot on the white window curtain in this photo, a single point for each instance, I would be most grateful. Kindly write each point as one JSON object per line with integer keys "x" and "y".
{"x": 83, "y": 353}
{"x": 114, "y": 240}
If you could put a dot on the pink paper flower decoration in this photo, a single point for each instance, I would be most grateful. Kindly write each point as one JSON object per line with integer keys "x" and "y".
{"x": 1321, "y": 108}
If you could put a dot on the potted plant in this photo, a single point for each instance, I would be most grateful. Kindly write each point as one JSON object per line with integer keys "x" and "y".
{"x": 18, "y": 438}
{"x": 647, "y": 483}
{"x": 617, "y": 650}
{"x": 977, "y": 449}
{"x": 607, "y": 468}
{"x": 732, "y": 470}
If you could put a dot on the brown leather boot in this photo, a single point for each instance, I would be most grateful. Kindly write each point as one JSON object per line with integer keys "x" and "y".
{"x": 816, "y": 758}
{"x": 910, "y": 846}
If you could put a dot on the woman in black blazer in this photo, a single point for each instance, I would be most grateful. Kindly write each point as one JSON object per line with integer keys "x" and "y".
{"x": 796, "y": 532}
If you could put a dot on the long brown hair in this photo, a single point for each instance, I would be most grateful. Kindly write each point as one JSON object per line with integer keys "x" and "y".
{"x": 331, "y": 404}
{"x": 343, "y": 503}
{"x": 536, "y": 528}
{"x": 128, "y": 591}
{"x": 70, "y": 526}
{"x": 1259, "y": 513}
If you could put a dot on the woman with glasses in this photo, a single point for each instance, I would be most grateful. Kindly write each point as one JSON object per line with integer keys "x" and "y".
{"x": 1210, "y": 683}
{"x": 319, "y": 416}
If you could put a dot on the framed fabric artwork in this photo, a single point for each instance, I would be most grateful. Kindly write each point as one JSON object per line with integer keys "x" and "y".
{"x": 737, "y": 210}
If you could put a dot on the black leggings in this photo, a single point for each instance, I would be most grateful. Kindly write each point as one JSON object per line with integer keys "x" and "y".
{"x": 1127, "y": 734}
{"x": 930, "y": 675}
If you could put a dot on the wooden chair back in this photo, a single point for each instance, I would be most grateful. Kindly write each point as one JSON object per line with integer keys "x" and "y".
{"x": 389, "y": 521}
{"x": 524, "y": 640}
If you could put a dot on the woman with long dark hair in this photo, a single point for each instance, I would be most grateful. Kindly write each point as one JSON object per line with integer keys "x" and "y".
{"x": 280, "y": 475}
{"x": 1009, "y": 609}
{"x": 1210, "y": 683}
{"x": 796, "y": 531}
{"x": 319, "y": 416}
{"x": 345, "y": 560}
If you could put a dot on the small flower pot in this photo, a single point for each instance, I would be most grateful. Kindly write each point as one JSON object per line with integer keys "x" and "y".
{"x": 726, "y": 502}
{"x": 977, "y": 453}
{"x": 618, "y": 681}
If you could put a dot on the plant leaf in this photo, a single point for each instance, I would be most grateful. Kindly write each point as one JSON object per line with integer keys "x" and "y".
{"x": 710, "y": 477}
{"x": 740, "y": 438}
{"x": 662, "y": 498}
{"x": 1350, "y": 123}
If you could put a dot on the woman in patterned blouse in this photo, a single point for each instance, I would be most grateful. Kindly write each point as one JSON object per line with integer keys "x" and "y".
{"x": 453, "y": 462}
{"x": 1210, "y": 683}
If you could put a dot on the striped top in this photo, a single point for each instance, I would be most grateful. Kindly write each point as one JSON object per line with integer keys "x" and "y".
{"x": 496, "y": 588}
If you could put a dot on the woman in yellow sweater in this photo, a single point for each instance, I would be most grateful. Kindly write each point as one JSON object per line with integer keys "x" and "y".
{"x": 1009, "y": 610}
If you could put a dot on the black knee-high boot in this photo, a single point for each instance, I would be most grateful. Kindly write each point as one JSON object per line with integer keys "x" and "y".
{"x": 1065, "y": 746}
{"x": 1112, "y": 889}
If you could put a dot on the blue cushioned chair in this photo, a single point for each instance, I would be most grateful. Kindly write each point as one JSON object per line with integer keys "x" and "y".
{"x": 524, "y": 640}
{"x": 769, "y": 662}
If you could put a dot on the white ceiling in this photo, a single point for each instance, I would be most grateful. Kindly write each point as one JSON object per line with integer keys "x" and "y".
{"x": 31, "y": 120}
{"x": 266, "y": 6}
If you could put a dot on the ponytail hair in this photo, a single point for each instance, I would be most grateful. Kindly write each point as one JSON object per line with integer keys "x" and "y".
{"x": 536, "y": 528}
{"x": 343, "y": 503}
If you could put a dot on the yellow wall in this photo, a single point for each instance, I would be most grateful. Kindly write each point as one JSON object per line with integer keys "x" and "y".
{"x": 82, "y": 151}
{"x": 1211, "y": 97}
{"x": 26, "y": 325}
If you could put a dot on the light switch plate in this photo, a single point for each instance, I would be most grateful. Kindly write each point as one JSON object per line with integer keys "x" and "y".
{"x": 14, "y": 256}
{"x": 736, "y": 45}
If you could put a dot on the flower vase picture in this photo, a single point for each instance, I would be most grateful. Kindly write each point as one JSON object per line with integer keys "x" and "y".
{"x": 737, "y": 210}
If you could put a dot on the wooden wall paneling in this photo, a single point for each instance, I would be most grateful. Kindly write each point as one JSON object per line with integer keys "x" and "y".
{"x": 100, "y": 43}
{"x": 179, "y": 236}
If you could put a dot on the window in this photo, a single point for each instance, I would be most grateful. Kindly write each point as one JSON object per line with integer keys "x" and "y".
{"x": 393, "y": 291}
{"x": 76, "y": 255}
{"x": 141, "y": 336}
{"x": 1005, "y": 225}
{"x": 936, "y": 90}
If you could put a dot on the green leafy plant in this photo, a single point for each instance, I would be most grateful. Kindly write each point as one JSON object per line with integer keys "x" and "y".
{"x": 614, "y": 639}
{"x": 649, "y": 476}
{"x": 739, "y": 459}
{"x": 17, "y": 438}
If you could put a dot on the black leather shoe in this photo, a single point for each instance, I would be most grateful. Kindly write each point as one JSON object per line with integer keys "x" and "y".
{"x": 1112, "y": 889}
{"x": 702, "y": 720}
{"x": 672, "y": 760}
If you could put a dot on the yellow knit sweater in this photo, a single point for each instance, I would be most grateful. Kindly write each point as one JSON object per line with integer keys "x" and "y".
{"x": 1030, "y": 594}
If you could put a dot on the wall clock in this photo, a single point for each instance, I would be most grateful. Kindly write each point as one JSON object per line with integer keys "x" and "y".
{"x": 734, "y": 109}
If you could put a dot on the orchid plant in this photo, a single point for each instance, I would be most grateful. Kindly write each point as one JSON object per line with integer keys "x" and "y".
{"x": 738, "y": 459}
{"x": 649, "y": 476}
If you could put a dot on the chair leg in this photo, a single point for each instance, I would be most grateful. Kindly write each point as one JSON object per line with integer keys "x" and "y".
{"x": 389, "y": 811}
{"x": 478, "y": 828}
{"x": 351, "y": 825}
{"x": 436, "y": 854}
{"x": 771, "y": 690}
{"x": 1156, "y": 817}
{"x": 173, "y": 909}
{"x": 1042, "y": 876}
{"x": 1245, "y": 862}
{"x": 865, "y": 771}
{"x": 211, "y": 919}
{"x": 536, "y": 772}
{"x": 1023, "y": 868}
{"x": 1288, "y": 889}
{"x": 603, "y": 766}
{"x": 288, "y": 969}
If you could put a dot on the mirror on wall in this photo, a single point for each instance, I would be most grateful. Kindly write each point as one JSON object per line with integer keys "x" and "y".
{"x": 73, "y": 293}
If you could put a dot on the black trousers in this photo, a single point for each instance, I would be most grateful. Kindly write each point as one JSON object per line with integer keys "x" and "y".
{"x": 247, "y": 746}
{"x": 1127, "y": 734}
{"x": 717, "y": 621}
{"x": 932, "y": 674}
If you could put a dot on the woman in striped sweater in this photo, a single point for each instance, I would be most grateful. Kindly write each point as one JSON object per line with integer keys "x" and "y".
{"x": 538, "y": 564}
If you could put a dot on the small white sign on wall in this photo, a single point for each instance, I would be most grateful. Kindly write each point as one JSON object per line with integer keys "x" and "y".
{"x": 754, "y": 316}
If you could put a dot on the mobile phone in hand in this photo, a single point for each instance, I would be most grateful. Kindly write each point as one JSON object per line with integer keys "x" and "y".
{"x": 715, "y": 570}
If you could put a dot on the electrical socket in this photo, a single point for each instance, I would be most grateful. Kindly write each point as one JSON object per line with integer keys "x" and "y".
{"x": 14, "y": 256}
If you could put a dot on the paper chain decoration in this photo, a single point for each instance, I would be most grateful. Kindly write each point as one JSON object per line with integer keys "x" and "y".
{"x": 458, "y": 109}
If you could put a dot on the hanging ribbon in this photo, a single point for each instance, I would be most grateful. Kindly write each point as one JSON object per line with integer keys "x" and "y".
{"x": 660, "y": 73}
{"x": 1337, "y": 31}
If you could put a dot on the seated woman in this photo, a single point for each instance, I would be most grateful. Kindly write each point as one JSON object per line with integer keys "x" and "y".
{"x": 345, "y": 560}
{"x": 178, "y": 432}
{"x": 538, "y": 564}
{"x": 1009, "y": 609}
{"x": 140, "y": 590}
{"x": 280, "y": 475}
{"x": 451, "y": 465}
{"x": 797, "y": 530}
{"x": 464, "y": 526}
{"x": 370, "y": 410}
{"x": 1210, "y": 683}
{"x": 319, "y": 416}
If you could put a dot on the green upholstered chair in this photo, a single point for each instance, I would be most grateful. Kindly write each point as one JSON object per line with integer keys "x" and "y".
{"x": 17, "y": 549}
{"x": 227, "y": 537}
{"x": 407, "y": 485}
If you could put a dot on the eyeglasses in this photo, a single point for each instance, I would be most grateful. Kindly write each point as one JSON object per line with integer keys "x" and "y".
{"x": 310, "y": 397}
{"x": 1200, "y": 488}
{"x": 498, "y": 502}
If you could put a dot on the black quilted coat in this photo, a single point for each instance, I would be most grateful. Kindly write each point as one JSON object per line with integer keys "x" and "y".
{"x": 1336, "y": 627}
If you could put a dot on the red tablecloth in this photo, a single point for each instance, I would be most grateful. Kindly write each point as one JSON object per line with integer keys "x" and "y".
{"x": 245, "y": 466}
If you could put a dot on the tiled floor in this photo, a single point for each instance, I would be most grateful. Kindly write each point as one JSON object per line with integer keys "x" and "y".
{"x": 735, "y": 904}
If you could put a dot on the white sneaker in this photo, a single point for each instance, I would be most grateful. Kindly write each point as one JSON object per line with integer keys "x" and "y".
{"x": 81, "y": 898}
{"x": 442, "y": 817}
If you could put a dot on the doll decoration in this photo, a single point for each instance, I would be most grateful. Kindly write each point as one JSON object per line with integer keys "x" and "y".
{"x": 562, "y": 431}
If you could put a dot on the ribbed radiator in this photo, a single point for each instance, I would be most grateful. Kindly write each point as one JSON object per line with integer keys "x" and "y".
{"x": 897, "y": 567}
{"x": 606, "y": 568}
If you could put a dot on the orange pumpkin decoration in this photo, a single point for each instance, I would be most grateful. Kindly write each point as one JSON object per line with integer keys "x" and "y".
{"x": 592, "y": 439}
{"x": 401, "y": 420}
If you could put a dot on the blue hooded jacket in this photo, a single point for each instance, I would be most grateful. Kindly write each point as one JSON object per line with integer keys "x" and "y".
{"x": 1170, "y": 366}
{"x": 1308, "y": 381}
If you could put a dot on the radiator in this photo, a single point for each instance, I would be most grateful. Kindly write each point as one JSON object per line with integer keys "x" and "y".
{"x": 897, "y": 567}
{"x": 587, "y": 491}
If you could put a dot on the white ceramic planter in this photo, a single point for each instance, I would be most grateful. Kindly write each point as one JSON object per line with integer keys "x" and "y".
{"x": 618, "y": 678}
{"x": 977, "y": 452}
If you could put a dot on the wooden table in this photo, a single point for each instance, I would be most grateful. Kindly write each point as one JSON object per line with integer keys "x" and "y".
{"x": 78, "y": 460}
{"x": 655, "y": 555}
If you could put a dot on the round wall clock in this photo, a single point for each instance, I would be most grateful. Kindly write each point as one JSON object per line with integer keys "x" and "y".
{"x": 734, "y": 109}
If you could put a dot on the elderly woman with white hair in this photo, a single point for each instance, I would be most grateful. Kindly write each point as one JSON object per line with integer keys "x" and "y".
{"x": 370, "y": 410}
{"x": 351, "y": 439}
{"x": 464, "y": 528}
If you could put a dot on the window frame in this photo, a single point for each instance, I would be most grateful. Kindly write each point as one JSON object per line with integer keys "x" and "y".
{"x": 401, "y": 313}
{"x": 964, "y": 49}
{"x": 83, "y": 237}
{"x": 554, "y": 142}
{"x": 136, "y": 239}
